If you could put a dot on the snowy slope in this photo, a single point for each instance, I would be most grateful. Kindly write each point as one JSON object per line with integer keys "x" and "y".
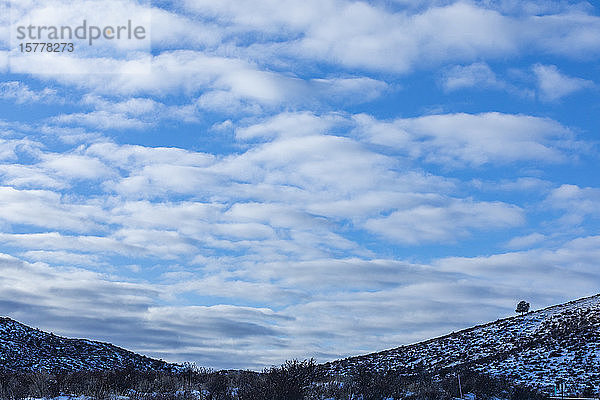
{"x": 26, "y": 349}
{"x": 561, "y": 341}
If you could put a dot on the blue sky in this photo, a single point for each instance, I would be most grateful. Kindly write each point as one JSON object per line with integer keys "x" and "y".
{"x": 265, "y": 180}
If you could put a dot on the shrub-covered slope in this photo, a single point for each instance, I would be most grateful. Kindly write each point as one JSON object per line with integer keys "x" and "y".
{"x": 24, "y": 349}
{"x": 537, "y": 349}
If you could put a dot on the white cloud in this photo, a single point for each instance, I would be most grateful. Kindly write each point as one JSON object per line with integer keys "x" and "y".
{"x": 348, "y": 90}
{"x": 184, "y": 72}
{"x": 290, "y": 194}
{"x": 361, "y": 35}
{"x": 223, "y": 84}
{"x": 62, "y": 257}
{"x": 289, "y": 124}
{"x": 134, "y": 156}
{"x": 170, "y": 30}
{"x": 20, "y": 93}
{"x": 358, "y": 35}
{"x": 478, "y": 75}
{"x": 4, "y": 60}
{"x": 9, "y": 148}
{"x": 527, "y": 241}
{"x": 100, "y": 120}
{"x": 75, "y": 166}
{"x": 538, "y": 7}
{"x": 350, "y": 35}
{"x": 54, "y": 241}
{"x": 524, "y": 184}
{"x": 471, "y": 139}
{"x": 45, "y": 209}
{"x": 578, "y": 203}
{"x": 548, "y": 271}
{"x": 135, "y": 106}
{"x": 446, "y": 222}
{"x": 133, "y": 113}
{"x": 293, "y": 189}
{"x": 554, "y": 85}
{"x": 18, "y": 176}
{"x": 167, "y": 244}
{"x": 70, "y": 135}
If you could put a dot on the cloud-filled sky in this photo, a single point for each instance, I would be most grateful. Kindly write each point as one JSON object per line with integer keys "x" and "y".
{"x": 273, "y": 179}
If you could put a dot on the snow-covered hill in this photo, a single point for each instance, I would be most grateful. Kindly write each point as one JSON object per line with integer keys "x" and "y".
{"x": 558, "y": 342}
{"x": 27, "y": 349}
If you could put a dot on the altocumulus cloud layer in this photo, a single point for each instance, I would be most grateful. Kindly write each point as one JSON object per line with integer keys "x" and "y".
{"x": 301, "y": 179}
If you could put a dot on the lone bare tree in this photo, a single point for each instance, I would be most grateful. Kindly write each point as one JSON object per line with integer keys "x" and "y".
{"x": 522, "y": 307}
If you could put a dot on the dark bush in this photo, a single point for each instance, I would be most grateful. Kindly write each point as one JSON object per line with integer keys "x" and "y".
{"x": 291, "y": 381}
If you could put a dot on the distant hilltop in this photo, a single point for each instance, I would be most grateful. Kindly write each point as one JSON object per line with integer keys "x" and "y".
{"x": 537, "y": 349}
{"x": 25, "y": 349}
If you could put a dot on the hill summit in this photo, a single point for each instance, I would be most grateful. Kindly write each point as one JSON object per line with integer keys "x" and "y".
{"x": 25, "y": 349}
{"x": 537, "y": 349}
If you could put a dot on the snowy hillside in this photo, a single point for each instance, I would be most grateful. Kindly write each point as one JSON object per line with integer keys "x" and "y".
{"x": 559, "y": 342}
{"x": 26, "y": 349}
